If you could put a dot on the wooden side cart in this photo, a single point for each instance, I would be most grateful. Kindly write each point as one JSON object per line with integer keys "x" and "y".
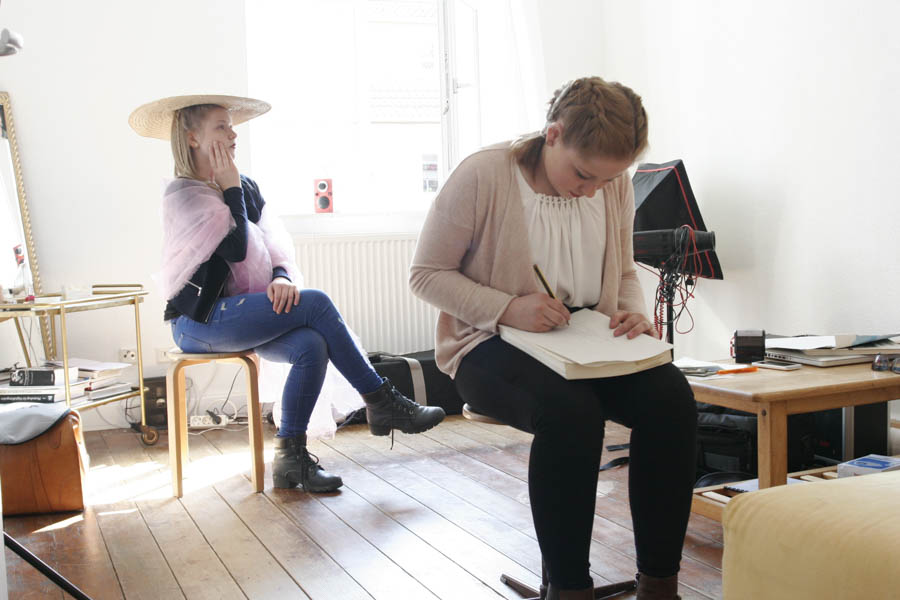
{"x": 52, "y": 310}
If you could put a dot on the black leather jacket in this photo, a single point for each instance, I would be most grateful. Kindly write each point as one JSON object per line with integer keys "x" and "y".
{"x": 198, "y": 297}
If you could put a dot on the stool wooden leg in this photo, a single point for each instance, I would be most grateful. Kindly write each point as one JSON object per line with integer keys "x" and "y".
{"x": 254, "y": 422}
{"x": 177, "y": 424}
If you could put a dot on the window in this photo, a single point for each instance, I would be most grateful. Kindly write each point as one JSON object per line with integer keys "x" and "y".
{"x": 383, "y": 97}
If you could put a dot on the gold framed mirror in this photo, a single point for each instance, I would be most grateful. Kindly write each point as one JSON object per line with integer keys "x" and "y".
{"x": 19, "y": 272}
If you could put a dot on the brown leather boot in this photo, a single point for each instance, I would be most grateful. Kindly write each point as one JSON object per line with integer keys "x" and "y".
{"x": 657, "y": 588}
{"x": 554, "y": 593}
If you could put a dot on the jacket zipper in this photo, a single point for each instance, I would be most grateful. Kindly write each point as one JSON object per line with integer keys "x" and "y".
{"x": 213, "y": 305}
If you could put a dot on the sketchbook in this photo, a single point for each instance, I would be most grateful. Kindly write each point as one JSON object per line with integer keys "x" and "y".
{"x": 587, "y": 349}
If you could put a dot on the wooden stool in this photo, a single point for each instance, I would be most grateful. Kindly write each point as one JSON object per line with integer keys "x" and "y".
{"x": 526, "y": 590}
{"x": 177, "y": 411}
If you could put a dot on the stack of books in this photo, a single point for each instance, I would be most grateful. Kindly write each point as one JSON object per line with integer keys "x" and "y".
{"x": 88, "y": 381}
{"x": 831, "y": 350}
{"x": 41, "y": 384}
{"x": 103, "y": 378}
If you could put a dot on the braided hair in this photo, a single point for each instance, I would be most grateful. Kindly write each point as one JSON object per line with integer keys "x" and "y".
{"x": 599, "y": 118}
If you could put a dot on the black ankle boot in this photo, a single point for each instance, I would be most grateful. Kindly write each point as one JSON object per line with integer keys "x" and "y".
{"x": 294, "y": 466}
{"x": 387, "y": 409}
{"x": 657, "y": 588}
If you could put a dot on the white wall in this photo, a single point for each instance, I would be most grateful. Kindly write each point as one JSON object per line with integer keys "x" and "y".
{"x": 786, "y": 115}
{"x": 93, "y": 185}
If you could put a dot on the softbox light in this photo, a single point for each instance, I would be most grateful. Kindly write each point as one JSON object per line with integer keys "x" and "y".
{"x": 663, "y": 200}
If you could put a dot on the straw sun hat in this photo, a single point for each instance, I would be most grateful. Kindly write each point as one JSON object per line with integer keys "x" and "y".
{"x": 154, "y": 119}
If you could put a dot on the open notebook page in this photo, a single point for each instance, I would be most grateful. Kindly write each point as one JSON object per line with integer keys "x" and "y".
{"x": 588, "y": 339}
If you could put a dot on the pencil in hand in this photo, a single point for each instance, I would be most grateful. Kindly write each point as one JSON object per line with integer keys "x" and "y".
{"x": 544, "y": 283}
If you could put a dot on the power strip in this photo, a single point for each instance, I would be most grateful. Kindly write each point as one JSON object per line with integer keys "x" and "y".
{"x": 206, "y": 421}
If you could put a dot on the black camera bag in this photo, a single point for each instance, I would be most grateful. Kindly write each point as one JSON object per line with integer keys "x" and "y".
{"x": 727, "y": 441}
{"x": 416, "y": 375}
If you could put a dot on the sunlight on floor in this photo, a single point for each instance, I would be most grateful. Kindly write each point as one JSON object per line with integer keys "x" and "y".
{"x": 61, "y": 524}
{"x": 108, "y": 484}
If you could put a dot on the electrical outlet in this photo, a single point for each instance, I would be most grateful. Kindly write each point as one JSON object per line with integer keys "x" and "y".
{"x": 162, "y": 356}
{"x": 206, "y": 421}
{"x": 128, "y": 355}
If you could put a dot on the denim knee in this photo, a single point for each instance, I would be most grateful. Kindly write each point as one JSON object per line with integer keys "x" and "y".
{"x": 314, "y": 349}
{"x": 301, "y": 345}
{"x": 316, "y": 300}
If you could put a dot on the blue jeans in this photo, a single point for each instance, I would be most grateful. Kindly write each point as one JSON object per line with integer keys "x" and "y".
{"x": 306, "y": 337}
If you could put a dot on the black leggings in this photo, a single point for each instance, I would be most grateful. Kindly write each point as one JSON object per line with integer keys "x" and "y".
{"x": 567, "y": 419}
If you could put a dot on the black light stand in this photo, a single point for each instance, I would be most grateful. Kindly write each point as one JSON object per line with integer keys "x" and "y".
{"x": 675, "y": 253}
{"x": 44, "y": 568}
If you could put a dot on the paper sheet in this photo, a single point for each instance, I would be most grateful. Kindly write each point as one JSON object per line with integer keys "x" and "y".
{"x": 588, "y": 339}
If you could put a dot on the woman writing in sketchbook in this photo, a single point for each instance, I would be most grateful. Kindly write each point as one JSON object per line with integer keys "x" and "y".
{"x": 232, "y": 285}
{"x": 562, "y": 199}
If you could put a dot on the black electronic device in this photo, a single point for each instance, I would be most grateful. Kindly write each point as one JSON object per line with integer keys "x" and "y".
{"x": 664, "y": 205}
{"x": 777, "y": 365}
{"x": 853, "y": 431}
{"x": 154, "y": 405}
{"x": 749, "y": 345}
{"x": 656, "y": 246}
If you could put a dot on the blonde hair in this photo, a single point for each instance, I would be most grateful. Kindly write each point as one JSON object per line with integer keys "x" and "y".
{"x": 598, "y": 117}
{"x": 185, "y": 120}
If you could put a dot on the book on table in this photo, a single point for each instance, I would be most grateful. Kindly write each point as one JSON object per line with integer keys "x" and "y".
{"x": 587, "y": 348}
{"x": 94, "y": 369}
{"x": 41, "y": 393}
{"x": 887, "y": 346}
{"x": 48, "y": 375}
{"x": 107, "y": 391}
{"x": 833, "y": 345}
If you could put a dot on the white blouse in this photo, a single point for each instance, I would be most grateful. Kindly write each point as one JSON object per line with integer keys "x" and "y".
{"x": 568, "y": 241}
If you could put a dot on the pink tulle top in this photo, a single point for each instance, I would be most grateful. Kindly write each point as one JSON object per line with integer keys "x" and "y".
{"x": 196, "y": 220}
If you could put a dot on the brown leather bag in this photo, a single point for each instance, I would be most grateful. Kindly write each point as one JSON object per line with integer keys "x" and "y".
{"x": 45, "y": 474}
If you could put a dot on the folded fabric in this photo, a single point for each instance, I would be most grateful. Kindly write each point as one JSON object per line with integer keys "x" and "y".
{"x": 24, "y": 421}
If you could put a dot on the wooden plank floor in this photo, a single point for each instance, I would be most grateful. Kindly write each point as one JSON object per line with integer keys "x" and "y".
{"x": 439, "y": 516}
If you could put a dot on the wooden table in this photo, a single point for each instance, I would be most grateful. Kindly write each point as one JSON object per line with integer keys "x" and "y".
{"x": 773, "y": 395}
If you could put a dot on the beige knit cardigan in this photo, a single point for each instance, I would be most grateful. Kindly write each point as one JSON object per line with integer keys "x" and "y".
{"x": 473, "y": 255}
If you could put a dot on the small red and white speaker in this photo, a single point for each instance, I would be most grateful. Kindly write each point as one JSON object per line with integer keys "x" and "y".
{"x": 324, "y": 196}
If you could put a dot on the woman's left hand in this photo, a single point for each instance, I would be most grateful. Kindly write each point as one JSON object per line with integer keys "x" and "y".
{"x": 631, "y": 323}
{"x": 283, "y": 294}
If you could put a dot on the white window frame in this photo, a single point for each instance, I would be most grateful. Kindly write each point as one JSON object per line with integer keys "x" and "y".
{"x": 451, "y": 84}
{"x": 461, "y": 72}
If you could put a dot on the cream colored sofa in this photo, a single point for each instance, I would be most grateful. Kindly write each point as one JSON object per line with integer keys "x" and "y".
{"x": 829, "y": 539}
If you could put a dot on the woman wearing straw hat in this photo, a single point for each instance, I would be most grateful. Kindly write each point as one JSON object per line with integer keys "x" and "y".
{"x": 232, "y": 285}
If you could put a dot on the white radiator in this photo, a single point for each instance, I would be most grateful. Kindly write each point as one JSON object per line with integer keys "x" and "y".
{"x": 367, "y": 278}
